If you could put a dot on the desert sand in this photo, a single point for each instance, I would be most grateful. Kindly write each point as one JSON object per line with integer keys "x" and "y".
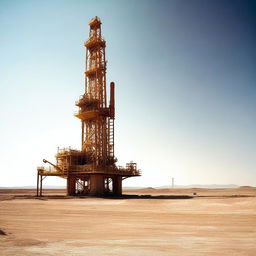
{"x": 158, "y": 222}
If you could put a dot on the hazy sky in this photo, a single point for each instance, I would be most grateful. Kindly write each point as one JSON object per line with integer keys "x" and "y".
{"x": 185, "y": 86}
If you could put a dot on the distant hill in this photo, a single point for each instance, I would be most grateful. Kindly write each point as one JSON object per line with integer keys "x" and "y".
{"x": 210, "y": 186}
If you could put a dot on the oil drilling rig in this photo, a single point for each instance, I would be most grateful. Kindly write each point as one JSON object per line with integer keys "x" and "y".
{"x": 92, "y": 170}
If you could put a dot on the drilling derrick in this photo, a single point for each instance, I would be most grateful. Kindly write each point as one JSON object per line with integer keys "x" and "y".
{"x": 93, "y": 112}
{"x": 92, "y": 170}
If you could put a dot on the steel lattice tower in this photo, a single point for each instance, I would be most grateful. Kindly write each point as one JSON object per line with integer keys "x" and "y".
{"x": 92, "y": 170}
{"x": 97, "y": 119}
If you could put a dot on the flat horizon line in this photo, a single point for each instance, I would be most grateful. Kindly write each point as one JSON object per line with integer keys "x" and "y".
{"x": 143, "y": 187}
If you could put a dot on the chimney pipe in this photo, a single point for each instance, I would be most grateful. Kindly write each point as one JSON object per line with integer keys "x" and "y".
{"x": 112, "y": 100}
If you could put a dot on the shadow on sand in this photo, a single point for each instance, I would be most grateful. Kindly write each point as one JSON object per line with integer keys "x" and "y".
{"x": 149, "y": 197}
{"x": 48, "y": 197}
{"x": 122, "y": 197}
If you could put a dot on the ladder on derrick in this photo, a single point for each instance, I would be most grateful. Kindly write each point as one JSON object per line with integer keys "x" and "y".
{"x": 111, "y": 137}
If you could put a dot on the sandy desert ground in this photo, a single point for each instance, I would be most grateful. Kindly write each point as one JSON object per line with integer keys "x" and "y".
{"x": 158, "y": 222}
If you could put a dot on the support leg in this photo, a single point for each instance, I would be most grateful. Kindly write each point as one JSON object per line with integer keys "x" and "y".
{"x": 37, "y": 184}
{"x": 117, "y": 185}
{"x": 41, "y": 184}
{"x": 71, "y": 185}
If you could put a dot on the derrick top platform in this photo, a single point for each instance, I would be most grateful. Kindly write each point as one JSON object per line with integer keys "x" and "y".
{"x": 95, "y": 22}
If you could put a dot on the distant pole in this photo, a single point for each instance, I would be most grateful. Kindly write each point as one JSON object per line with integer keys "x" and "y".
{"x": 172, "y": 182}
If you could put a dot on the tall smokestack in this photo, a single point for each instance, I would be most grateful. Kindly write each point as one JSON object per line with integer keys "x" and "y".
{"x": 112, "y": 100}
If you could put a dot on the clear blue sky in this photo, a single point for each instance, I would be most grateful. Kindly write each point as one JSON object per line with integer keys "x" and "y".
{"x": 185, "y": 86}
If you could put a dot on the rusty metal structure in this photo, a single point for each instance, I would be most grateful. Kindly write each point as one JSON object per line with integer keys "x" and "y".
{"x": 92, "y": 170}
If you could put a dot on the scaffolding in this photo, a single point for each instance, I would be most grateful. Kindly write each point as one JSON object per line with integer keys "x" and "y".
{"x": 92, "y": 170}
